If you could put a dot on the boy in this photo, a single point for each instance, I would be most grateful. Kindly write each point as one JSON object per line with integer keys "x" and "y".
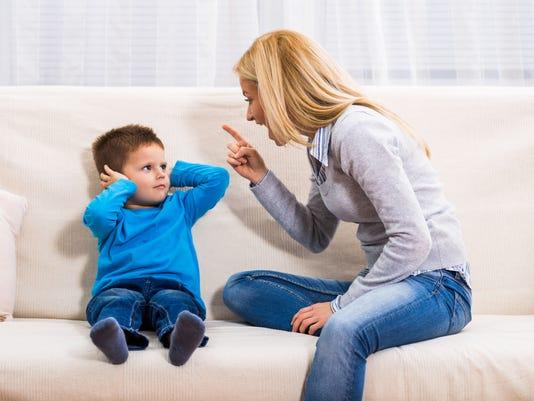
{"x": 148, "y": 273}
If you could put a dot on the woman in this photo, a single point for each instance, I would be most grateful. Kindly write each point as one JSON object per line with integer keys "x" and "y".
{"x": 370, "y": 169}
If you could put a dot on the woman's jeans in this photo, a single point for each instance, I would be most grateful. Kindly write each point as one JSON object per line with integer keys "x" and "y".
{"x": 419, "y": 308}
{"x": 143, "y": 304}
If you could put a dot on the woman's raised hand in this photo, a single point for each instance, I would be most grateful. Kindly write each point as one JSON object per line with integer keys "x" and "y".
{"x": 243, "y": 158}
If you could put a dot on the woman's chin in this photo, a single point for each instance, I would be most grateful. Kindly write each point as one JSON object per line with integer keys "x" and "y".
{"x": 279, "y": 143}
{"x": 276, "y": 141}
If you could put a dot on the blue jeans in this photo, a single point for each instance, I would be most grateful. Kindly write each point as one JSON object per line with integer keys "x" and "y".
{"x": 419, "y": 308}
{"x": 143, "y": 303}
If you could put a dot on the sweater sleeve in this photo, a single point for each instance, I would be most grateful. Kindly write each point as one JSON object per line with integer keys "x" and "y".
{"x": 104, "y": 211}
{"x": 208, "y": 185}
{"x": 368, "y": 151}
{"x": 312, "y": 225}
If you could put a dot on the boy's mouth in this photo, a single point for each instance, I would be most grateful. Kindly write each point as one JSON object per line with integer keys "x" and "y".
{"x": 162, "y": 186}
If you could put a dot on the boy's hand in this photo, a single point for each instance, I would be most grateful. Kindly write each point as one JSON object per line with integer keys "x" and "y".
{"x": 109, "y": 177}
{"x": 244, "y": 158}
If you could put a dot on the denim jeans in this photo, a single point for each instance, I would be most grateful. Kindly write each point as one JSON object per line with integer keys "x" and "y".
{"x": 146, "y": 304}
{"x": 419, "y": 308}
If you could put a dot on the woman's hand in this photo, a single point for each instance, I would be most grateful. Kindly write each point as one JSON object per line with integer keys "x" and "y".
{"x": 244, "y": 159}
{"x": 311, "y": 318}
{"x": 109, "y": 177}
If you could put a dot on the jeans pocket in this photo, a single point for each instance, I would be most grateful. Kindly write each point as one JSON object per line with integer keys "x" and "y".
{"x": 461, "y": 314}
{"x": 89, "y": 309}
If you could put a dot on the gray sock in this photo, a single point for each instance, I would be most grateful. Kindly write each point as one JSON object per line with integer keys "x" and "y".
{"x": 108, "y": 336}
{"x": 185, "y": 338}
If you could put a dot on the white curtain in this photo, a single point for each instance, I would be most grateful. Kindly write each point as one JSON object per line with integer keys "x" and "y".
{"x": 196, "y": 42}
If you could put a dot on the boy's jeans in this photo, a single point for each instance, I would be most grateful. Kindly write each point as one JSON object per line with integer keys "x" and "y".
{"x": 421, "y": 307}
{"x": 143, "y": 303}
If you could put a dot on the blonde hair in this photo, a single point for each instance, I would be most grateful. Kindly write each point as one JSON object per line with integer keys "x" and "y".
{"x": 301, "y": 88}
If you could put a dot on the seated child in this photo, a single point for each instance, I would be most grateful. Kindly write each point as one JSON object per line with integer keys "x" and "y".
{"x": 148, "y": 275}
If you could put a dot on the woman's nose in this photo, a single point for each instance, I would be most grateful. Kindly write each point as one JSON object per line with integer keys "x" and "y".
{"x": 249, "y": 115}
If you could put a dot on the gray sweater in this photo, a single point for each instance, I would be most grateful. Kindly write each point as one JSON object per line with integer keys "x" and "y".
{"x": 376, "y": 176}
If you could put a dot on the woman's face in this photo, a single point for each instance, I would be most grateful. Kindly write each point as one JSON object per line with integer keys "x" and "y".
{"x": 254, "y": 110}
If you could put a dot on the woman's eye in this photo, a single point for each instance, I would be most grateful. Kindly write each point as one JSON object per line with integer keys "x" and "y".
{"x": 248, "y": 100}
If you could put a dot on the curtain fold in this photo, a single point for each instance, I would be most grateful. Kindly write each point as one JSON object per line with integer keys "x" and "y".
{"x": 197, "y": 42}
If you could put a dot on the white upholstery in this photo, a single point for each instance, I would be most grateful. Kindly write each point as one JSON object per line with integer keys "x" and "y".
{"x": 12, "y": 209}
{"x": 483, "y": 145}
{"x": 490, "y": 360}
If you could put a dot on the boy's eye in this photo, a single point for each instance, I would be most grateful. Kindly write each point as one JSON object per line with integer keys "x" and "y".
{"x": 163, "y": 166}
{"x": 147, "y": 168}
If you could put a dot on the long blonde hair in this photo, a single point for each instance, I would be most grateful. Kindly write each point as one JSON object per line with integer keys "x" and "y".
{"x": 301, "y": 88}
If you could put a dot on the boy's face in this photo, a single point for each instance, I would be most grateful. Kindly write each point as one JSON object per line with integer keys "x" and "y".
{"x": 148, "y": 169}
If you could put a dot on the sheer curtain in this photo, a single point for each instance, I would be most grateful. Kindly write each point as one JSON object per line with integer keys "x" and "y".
{"x": 196, "y": 42}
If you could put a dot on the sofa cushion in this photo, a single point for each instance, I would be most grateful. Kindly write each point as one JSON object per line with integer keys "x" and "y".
{"x": 12, "y": 209}
{"x": 55, "y": 360}
{"x": 481, "y": 140}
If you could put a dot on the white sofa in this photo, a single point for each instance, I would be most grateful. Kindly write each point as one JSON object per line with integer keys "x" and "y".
{"x": 483, "y": 146}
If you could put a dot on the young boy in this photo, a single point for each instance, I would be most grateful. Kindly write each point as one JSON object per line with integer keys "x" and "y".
{"x": 148, "y": 273}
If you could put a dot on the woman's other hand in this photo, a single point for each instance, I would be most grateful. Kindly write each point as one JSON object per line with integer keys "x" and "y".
{"x": 312, "y": 318}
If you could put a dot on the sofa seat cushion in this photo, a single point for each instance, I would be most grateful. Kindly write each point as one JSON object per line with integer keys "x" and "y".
{"x": 54, "y": 359}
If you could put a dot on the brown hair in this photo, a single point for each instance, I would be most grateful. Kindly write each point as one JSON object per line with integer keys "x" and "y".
{"x": 114, "y": 147}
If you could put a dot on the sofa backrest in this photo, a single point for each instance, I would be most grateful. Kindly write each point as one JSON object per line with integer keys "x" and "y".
{"x": 483, "y": 147}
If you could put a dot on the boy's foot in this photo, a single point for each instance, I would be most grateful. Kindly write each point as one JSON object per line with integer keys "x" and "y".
{"x": 108, "y": 336}
{"x": 185, "y": 338}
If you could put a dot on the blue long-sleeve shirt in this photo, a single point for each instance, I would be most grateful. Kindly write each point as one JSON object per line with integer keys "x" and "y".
{"x": 154, "y": 242}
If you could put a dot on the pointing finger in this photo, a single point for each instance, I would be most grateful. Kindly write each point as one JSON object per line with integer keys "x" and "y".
{"x": 242, "y": 141}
